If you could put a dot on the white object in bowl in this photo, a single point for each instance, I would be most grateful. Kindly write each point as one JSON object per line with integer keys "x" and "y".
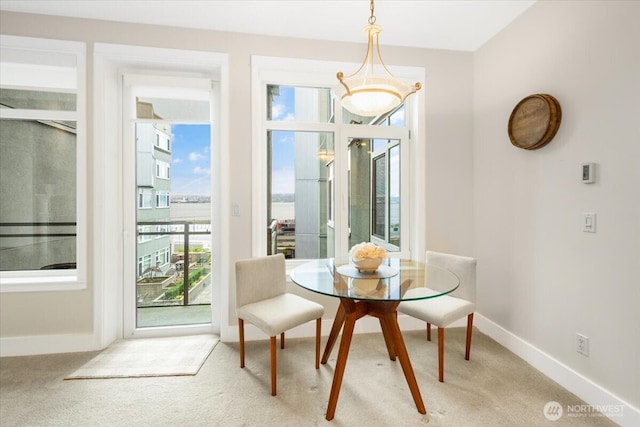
{"x": 367, "y": 264}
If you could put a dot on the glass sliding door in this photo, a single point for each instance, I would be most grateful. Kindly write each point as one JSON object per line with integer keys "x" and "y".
{"x": 170, "y": 139}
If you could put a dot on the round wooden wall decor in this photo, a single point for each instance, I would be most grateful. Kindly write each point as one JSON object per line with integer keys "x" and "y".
{"x": 534, "y": 121}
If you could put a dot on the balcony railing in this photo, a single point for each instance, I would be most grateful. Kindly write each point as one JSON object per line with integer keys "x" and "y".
{"x": 186, "y": 229}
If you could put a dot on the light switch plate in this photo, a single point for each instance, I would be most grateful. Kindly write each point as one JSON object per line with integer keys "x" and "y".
{"x": 589, "y": 222}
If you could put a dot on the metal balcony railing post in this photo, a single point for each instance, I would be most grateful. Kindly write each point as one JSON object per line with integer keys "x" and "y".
{"x": 187, "y": 260}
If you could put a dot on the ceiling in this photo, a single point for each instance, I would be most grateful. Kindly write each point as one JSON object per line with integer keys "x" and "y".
{"x": 463, "y": 25}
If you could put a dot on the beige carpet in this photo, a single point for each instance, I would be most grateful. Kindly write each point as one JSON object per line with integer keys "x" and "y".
{"x": 151, "y": 357}
{"x": 494, "y": 388}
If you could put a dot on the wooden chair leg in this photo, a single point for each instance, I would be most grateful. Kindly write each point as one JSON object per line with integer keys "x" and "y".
{"x": 428, "y": 331}
{"x": 318, "y": 333}
{"x": 273, "y": 365}
{"x": 241, "y": 333}
{"x": 441, "y": 355}
{"x": 282, "y": 340}
{"x": 469, "y": 331}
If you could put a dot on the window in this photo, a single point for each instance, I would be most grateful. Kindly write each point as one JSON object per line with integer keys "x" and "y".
{"x": 142, "y": 229}
{"x": 385, "y": 213}
{"x": 163, "y": 141}
{"x": 162, "y": 199}
{"x": 144, "y": 265}
{"x": 145, "y": 198}
{"x": 42, "y": 164}
{"x": 162, "y": 257}
{"x": 162, "y": 169}
{"x": 297, "y": 173}
{"x": 331, "y": 179}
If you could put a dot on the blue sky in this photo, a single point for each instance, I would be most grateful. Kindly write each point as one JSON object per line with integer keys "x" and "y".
{"x": 282, "y": 172}
{"x": 191, "y": 168}
{"x": 191, "y": 160}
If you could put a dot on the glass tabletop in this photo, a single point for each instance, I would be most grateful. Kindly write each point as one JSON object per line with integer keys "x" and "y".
{"x": 395, "y": 280}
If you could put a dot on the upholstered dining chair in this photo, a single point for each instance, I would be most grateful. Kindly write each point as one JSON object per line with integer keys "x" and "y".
{"x": 442, "y": 311}
{"x": 262, "y": 300}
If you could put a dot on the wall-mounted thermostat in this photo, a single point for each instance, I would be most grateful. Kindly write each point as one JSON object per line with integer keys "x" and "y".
{"x": 588, "y": 173}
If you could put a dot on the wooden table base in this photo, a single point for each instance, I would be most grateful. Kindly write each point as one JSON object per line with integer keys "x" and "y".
{"x": 348, "y": 313}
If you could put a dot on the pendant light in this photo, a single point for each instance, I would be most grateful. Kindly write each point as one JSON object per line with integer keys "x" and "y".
{"x": 372, "y": 90}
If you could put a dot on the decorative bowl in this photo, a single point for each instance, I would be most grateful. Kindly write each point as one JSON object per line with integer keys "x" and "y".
{"x": 366, "y": 264}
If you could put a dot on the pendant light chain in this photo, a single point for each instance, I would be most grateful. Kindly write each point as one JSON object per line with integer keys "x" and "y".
{"x": 372, "y": 18}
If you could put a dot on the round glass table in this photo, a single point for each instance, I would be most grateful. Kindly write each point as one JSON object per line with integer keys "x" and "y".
{"x": 375, "y": 293}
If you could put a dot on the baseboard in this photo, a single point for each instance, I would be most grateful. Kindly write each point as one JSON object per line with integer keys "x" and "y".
{"x": 616, "y": 409}
{"x": 46, "y": 344}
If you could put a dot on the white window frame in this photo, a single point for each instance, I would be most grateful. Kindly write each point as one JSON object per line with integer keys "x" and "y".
{"x": 163, "y": 170}
{"x": 145, "y": 237}
{"x": 331, "y": 190}
{"x": 111, "y": 230}
{"x": 386, "y": 153}
{"x": 299, "y": 72}
{"x": 162, "y": 195}
{"x": 141, "y": 83}
{"x": 164, "y": 257}
{"x": 144, "y": 195}
{"x": 163, "y": 141}
{"x": 34, "y": 49}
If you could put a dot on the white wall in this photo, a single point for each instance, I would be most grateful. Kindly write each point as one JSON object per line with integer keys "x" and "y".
{"x": 445, "y": 144}
{"x": 540, "y": 277}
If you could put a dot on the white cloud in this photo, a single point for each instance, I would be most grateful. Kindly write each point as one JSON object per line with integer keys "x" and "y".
{"x": 194, "y": 157}
{"x": 201, "y": 171}
{"x": 277, "y": 110}
{"x": 176, "y": 161}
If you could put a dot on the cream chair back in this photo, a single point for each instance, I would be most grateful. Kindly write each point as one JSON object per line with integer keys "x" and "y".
{"x": 463, "y": 267}
{"x": 258, "y": 279}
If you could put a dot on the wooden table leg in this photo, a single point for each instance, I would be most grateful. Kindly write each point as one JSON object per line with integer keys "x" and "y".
{"x": 338, "y": 321}
{"x": 388, "y": 339}
{"x": 346, "y": 316}
{"x": 401, "y": 350}
{"x": 352, "y": 312}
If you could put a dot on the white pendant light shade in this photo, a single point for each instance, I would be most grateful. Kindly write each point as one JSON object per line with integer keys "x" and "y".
{"x": 372, "y": 90}
{"x": 369, "y": 96}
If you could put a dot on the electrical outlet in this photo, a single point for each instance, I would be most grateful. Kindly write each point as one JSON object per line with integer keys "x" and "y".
{"x": 582, "y": 344}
